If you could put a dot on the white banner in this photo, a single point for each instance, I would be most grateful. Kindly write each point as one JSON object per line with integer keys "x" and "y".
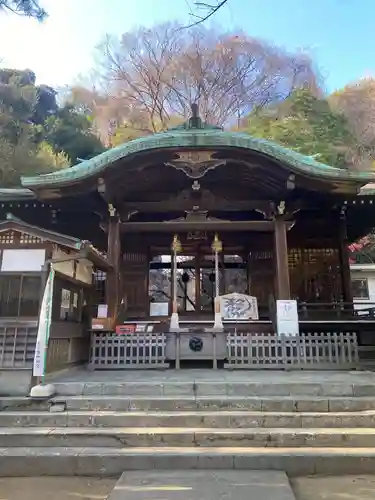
{"x": 44, "y": 327}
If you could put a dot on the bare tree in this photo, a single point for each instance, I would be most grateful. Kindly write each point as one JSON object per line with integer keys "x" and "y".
{"x": 98, "y": 104}
{"x": 357, "y": 102}
{"x": 154, "y": 75}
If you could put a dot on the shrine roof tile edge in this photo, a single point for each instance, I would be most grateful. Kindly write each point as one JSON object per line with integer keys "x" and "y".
{"x": 367, "y": 190}
{"x": 65, "y": 240}
{"x": 189, "y": 139}
{"x": 14, "y": 222}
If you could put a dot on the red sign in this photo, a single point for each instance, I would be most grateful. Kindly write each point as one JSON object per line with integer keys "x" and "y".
{"x": 125, "y": 329}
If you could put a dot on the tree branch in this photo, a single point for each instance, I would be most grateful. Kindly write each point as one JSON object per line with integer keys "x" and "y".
{"x": 212, "y": 9}
{"x": 28, "y": 8}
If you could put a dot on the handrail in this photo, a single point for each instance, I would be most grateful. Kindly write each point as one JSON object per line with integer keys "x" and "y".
{"x": 337, "y": 309}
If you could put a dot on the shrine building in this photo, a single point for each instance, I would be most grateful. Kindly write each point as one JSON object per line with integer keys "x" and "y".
{"x": 174, "y": 249}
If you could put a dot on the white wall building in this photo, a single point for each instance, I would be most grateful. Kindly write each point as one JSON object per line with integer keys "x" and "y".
{"x": 363, "y": 285}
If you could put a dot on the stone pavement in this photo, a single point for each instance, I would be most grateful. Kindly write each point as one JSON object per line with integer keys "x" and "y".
{"x": 203, "y": 485}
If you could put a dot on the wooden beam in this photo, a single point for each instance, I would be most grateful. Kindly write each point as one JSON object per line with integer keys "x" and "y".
{"x": 177, "y": 226}
{"x": 177, "y": 205}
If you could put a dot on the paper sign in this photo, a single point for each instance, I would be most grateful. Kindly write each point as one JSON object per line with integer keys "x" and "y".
{"x": 159, "y": 308}
{"x": 287, "y": 317}
{"x": 102, "y": 311}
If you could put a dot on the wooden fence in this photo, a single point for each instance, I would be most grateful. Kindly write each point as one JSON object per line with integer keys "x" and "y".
{"x": 320, "y": 350}
{"x": 140, "y": 350}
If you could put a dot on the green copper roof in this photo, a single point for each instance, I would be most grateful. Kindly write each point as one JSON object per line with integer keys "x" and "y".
{"x": 191, "y": 137}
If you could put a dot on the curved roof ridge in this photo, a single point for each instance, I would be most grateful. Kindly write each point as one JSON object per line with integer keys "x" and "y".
{"x": 192, "y": 138}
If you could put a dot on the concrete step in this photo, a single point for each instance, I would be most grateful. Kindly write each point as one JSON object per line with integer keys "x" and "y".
{"x": 214, "y": 419}
{"x": 241, "y": 389}
{"x": 120, "y": 437}
{"x": 15, "y": 402}
{"x": 18, "y": 462}
{"x": 256, "y": 403}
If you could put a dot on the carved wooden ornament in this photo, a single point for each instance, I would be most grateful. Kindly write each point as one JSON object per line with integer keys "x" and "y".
{"x": 195, "y": 164}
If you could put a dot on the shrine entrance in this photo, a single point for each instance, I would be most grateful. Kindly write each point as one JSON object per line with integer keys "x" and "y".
{"x": 196, "y": 283}
{"x": 190, "y": 216}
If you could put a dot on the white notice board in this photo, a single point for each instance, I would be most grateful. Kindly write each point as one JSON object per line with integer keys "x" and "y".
{"x": 287, "y": 317}
{"x": 23, "y": 260}
{"x": 159, "y": 308}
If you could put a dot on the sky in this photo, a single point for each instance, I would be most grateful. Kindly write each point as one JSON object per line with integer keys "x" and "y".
{"x": 338, "y": 34}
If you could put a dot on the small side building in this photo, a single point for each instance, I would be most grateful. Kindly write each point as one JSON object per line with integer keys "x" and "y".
{"x": 26, "y": 254}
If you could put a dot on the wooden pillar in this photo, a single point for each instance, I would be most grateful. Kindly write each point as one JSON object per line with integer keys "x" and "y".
{"x": 344, "y": 258}
{"x": 172, "y": 281}
{"x": 113, "y": 256}
{"x": 246, "y": 259}
{"x": 223, "y": 280}
{"x": 281, "y": 254}
{"x": 198, "y": 282}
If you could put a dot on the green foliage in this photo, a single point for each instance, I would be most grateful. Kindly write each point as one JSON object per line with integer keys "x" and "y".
{"x": 125, "y": 133}
{"x": 141, "y": 128}
{"x": 70, "y": 131}
{"x": 36, "y": 136}
{"x": 306, "y": 124}
{"x": 29, "y": 8}
{"x": 48, "y": 158}
{"x": 22, "y": 103}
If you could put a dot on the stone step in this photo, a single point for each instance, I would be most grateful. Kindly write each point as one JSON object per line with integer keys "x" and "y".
{"x": 23, "y": 403}
{"x": 21, "y": 462}
{"x": 123, "y": 437}
{"x": 215, "y": 419}
{"x": 166, "y": 387}
{"x": 256, "y": 403}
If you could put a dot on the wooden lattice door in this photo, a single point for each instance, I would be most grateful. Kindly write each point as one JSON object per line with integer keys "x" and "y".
{"x": 261, "y": 272}
{"x": 314, "y": 274}
{"x": 135, "y": 284}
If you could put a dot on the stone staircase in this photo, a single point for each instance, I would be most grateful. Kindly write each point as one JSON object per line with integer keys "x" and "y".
{"x": 102, "y": 429}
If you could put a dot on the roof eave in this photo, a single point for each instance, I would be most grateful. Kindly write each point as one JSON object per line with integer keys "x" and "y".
{"x": 16, "y": 194}
{"x": 189, "y": 139}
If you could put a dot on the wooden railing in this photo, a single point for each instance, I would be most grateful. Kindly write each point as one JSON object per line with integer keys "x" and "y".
{"x": 140, "y": 350}
{"x": 17, "y": 343}
{"x": 325, "y": 311}
{"x": 311, "y": 351}
{"x": 18, "y": 340}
